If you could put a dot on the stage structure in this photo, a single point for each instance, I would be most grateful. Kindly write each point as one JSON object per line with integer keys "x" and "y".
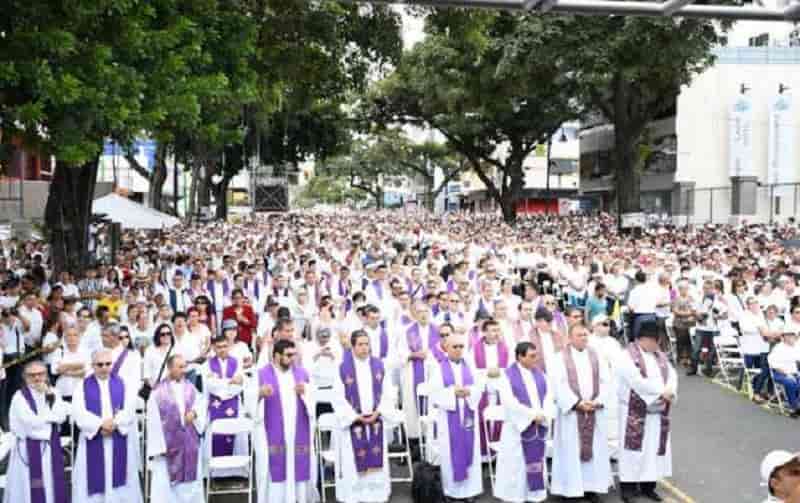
{"x": 668, "y": 8}
{"x": 269, "y": 192}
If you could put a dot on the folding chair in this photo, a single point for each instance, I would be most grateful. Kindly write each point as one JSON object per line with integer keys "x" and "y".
{"x": 326, "y": 453}
{"x": 68, "y": 444}
{"x": 729, "y": 358}
{"x": 492, "y": 415}
{"x": 613, "y": 454}
{"x": 399, "y": 431}
{"x": 425, "y": 421}
{"x": 779, "y": 396}
{"x": 231, "y": 426}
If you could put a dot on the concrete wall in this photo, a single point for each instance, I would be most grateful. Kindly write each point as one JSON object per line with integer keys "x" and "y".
{"x": 34, "y": 199}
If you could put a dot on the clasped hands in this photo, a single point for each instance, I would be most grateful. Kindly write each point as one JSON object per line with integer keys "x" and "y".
{"x": 461, "y": 391}
{"x": 588, "y": 406}
{"x": 368, "y": 418}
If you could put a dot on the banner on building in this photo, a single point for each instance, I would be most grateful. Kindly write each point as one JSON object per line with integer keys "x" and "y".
{"x": 781, "y": 146}
{"x": 741, "y": 137}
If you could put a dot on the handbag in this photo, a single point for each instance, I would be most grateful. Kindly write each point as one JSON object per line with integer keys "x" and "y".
{"x": 146, "y": 389}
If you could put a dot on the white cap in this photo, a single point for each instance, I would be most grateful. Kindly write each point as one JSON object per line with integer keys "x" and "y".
{"x": 772, "y": 462}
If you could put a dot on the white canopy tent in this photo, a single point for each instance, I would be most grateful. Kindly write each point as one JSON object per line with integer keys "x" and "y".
{"x": 132, "y": 215}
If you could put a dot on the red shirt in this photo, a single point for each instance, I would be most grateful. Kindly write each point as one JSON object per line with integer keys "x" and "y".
{"x": 246, "y": 326}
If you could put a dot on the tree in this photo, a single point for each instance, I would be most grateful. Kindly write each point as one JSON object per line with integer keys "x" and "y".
{"x": 632, "y": 69}
{"x": 493, "y": 114}
{"x": 327, "y": 189}
{"x": 71, "y": 78}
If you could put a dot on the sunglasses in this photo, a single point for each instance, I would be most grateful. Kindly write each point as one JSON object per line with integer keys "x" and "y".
{"x": 165, "y": 333}
{"x": 102, "y": 364}
{"x": 458, "y": 346}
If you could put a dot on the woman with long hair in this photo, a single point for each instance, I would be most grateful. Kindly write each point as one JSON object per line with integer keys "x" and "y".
{"x": 156, "y": 353}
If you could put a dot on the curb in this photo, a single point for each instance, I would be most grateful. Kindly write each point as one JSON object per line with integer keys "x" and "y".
{"x": 675, "y": 492}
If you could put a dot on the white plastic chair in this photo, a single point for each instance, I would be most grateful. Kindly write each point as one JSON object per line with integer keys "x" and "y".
{"x": 729, "y": 356}
{"x": 324, "y": 395}
{"x": 779, "y": 395}
{"x": 493, "y": 414}
{"x": 326, "y": 454}
{"x": 425, "y": 421}
{"x": 231, "y": 426}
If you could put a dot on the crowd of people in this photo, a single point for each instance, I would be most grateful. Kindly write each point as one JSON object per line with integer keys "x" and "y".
{"x": 542, "y": 348}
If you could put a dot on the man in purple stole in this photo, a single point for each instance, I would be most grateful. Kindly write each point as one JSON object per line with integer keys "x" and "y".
{"x": 127, "y": 364}
{"x": 529, "y": 409}
{"x": 418, "y": 349}
{"x": 281, "y": 400}
{"x": 107, "y": 465}
{"x": 456, "y": 390}
{"x": 35, "y": 471}
{"x": 223, "y": 379}
{"x": 176, "y": 417}
{"x": 646, "y": 387}
{"x": 489, "y": 356}
{"x": 365, "y": 414}
{"x": 582, "y": 388}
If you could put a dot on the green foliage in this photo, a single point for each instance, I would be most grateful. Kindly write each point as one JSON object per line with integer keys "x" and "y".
{"x": 329, "y": 190}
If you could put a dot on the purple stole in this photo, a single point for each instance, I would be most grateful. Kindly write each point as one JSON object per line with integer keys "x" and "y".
{"x": 637, "y": 409}
{"x": 367, "y": 439}
{"x": 95, "y": 448}
{"x": 256, "y": 289}
{"x": 273, "y": 424}
{"x": 384, "y": 349}
{"x": 435, "y": 309}
{"x": 414, "y": 339}
{"x": 34, "y": 450}
{"x": 462, "y": 441}
{"x": 344, "y": 291}
{"x": 222, "y": 445}
{"x": 182, "y": 441}
{"x": 586, "y": 420}
{"x": 536, "y": 339}
{"x": 480, "y": 362}
{"x": 118, "y": 364}
{"x": 534, "y": 436}
{"x": 226, "y": 290}
{"x": 378, "y": 288}
{"x": 451, "y": 285}
{"x": 409, "y": 286}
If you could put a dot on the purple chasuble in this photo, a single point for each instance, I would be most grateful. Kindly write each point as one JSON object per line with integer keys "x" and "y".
{"x": 535, "y": 435}
{"x": 637, "y": 409}
{"x": 273, "y": 424}
{"x": 480, "y": 362}
{"x": 34, "y": 450}
{"x": 414, "y": 339}
{"x": 222, "y": 445}
{"x": 462, "y": 439}
{"x": 182, "y": 441}
{"x": 586, "y": 420}
{"x": 367, "y": 439}
{"x": 95, "y": 448}
{"x": 120, "y": 361}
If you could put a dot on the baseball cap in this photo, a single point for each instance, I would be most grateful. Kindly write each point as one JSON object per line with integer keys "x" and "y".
{"x": 772, "y": 461}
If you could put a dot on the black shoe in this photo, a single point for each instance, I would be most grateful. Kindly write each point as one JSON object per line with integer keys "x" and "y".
{"x": 591, "y": 497}
{"x": 691, "y": 372}
{"x": 627, "y": 498}
{"x": 653, "y": 496}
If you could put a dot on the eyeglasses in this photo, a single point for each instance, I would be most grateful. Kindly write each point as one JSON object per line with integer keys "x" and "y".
{"x": 102, "y": 364}
{"x": 457, "y": 346}
{"x": 36, "y": 374}
{"x": 165, "y": 332}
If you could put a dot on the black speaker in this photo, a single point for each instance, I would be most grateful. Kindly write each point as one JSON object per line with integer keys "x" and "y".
{"x": 271, "y": 198}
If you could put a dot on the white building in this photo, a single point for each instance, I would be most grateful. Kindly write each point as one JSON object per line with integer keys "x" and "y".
{"x": 726, "y": 152}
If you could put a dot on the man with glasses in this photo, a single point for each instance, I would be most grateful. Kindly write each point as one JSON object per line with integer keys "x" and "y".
{"x": 456, "y": 390}
{"x": 364, "y": 405}
{"x": 281, "y": 400}
{"x": 524, "y": 323}
{"x": 176, "y": 417}
{"x": 107, "y": 463}
{"x": 449, "y": 313}
{"x": 35, "y": 470}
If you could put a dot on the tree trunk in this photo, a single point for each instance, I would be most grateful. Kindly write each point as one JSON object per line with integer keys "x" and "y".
{"x": 158, "y": 177}
{"x": 221, "y": 195}
{"x": 68, "y": 213}
{"x": 191, "y": 208}
{"x": 512, "y": 191}
{"x": 628, "y": 177}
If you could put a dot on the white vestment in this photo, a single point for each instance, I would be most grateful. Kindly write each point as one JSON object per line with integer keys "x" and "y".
{"x": 571, "y": 477}
{"x": 409, "y": 394}
{"x": 223, "y": 390}
{"x": 89, "y": 426}
{"x": 374, "y": 486}
{"x": 131, "y": 369}
{"x": 24, "y": 424}
{"x": 160, "y": 487}
{"x": 644, "y": 465}
{"x": 444, "y": 399}
{"x": 282, "y": 492}
{"x": 512, "y": 486}
{"x": 608, "y": 350}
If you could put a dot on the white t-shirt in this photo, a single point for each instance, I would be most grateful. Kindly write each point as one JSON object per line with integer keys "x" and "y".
{"x": 34, "y": 333}
{"x": 751, "y": 341}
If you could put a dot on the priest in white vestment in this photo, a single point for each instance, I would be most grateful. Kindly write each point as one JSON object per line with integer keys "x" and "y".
{"x": 581, "y": 461}
{"x": 646, "y": 389}
{"x": 127, "y": 364}
{"x": 35, "y": 419}
{"x": 608, "y": 351}
{"x": 419, "y": 351}
{"x": 107, "y": 461}
{"x": 281, "y": 399}
{"x": 176, "y": 417}
{"x": 223, "y": 377}
{"x": 366, "y": 416}
{"x": 529, "y": 410}
{"x": 456, "y": 389}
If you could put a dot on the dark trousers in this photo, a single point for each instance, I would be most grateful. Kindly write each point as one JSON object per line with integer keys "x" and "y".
{"x": 704, "y": 338}
{"x": 11, "y": 385}
{"x": 631, "y": 489}
{"x": 637, "y": 321}
{"x": 756, "y": 362}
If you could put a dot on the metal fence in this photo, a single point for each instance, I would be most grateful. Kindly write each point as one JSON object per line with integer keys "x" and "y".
{"x": 772, "y": 203}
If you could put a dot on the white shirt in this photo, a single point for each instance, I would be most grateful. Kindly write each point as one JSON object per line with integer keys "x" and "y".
{"x": 644, "y": 298}
{"x": 751, "y": 341}
{"x": 784, "y": 358}
{"x": 34, "y": 333}
{"x": 66, "y": 384}
{"x": 13, "y": 338}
